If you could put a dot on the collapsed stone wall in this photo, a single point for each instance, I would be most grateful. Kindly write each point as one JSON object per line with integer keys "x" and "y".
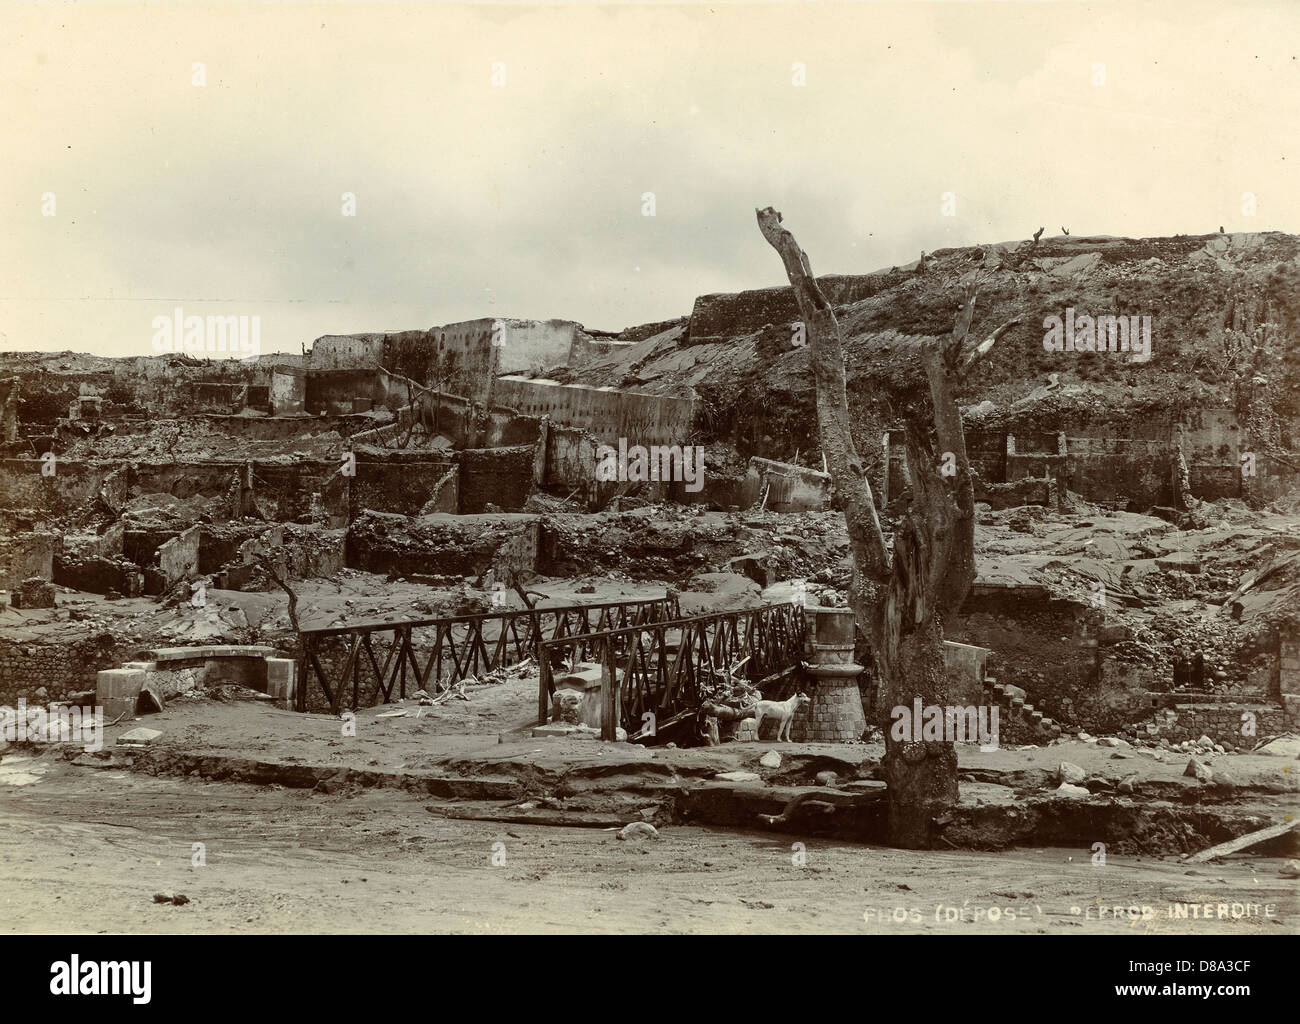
{"x": 284, "y": 491}
{"x": 104, "y": 542}
{"x": 25, "y": 555}
{"x": 786, "y": 488}
{"x": 721, "y": 317}
{"x": 41, "y": 672}
{"x": 502, "y": 477}
{"x": 223, "y": 543}
{"x": 1110, "y": 470}
{"x": 312, "y": 552}
{"x": 1050, "y": 649}
{"x": 462, "y": 357}
{"x": 344, "y": 391}
{"x": 46, "y": 396}
{"x": 1221, "y": 721}
{"x": 288, "y": 391}
{"x": 9, "y": 392}
{"x": 1120, "y": 463}
{"x": 23, "y": 485}
{"x": 440, "y": 544}
{"x": 224, "y": 398}
{"x": 569, "y": 469}
{"x": 98, "y": 574}
{"x": 605, "y": 413}
{"x": 571, "y": 461}
{"x": 403, "y": 482}
{"x": 177, "y": 559}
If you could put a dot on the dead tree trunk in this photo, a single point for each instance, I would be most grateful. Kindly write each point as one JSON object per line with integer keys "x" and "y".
{"x": 900, "y": 600}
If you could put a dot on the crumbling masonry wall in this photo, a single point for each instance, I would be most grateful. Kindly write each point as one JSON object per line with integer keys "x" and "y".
{"x": 1050, "y": 649}
{"x": 25, "y": 555}
{"x": 603, "y": 412}
{"x": 42, "y": 672}
{"x": 441, "y": 544}
{"x": 502, "y": 477}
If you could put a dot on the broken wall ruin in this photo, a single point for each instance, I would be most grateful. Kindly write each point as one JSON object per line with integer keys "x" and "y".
{"x": 604, "y": 413}
{"x": 25, "y": 555}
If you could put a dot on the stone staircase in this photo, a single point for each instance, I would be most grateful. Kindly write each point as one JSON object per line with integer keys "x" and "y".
{"x": 1019, "y": 721}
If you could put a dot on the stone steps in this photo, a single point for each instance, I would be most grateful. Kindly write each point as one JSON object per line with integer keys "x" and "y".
{"x": 1019, "y": 708}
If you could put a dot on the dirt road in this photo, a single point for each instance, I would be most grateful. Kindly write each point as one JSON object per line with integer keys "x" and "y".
{"x": 84, "y": 851}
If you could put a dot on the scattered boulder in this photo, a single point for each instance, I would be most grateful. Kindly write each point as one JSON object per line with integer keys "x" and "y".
{"x": 737, "y": 776}
{"x": 1291, "y": 869}
{"x": 638, "y": 830}
{"x": 1068, "y": 772}
{"x": 332, "y": 784}
{"x": 1283, "y": 746}
{"x": 1069, "y": 792}
{"x": 566, "y": 706}
{"x": 827, "y": 778}
{"x": 770, "y": 760}
{"x": 1127, "y": 785}
{"x": 1198, "y": 770}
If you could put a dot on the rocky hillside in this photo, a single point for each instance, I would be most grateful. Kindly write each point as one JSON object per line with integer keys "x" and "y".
{"x": 1224, "y": 313}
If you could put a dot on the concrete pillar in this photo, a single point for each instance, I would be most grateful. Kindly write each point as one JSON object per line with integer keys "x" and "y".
{"x": 282, "y": 680}
{"x": 835, "y": 713}
{"x": 117, "y": 690}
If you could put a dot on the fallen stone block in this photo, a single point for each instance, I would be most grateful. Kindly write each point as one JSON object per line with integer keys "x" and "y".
{"x": 577, "y": 732}
{"x": 555, "y": 729}
{"x": 770, "y": 760}
{"x": 1069, "y": 792}
{"x": 117, "y": 690}
{"x": 141, "y": 735}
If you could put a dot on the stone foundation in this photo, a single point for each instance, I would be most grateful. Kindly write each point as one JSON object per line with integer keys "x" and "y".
{"x": 1222, "y": 722}
{"x": 834, "y": 715}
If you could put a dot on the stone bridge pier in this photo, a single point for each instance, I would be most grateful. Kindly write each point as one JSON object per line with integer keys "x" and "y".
{"x": 835, "y": 714}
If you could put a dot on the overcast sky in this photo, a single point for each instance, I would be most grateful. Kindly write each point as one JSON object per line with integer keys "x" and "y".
{"x": 525, "y": 200}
